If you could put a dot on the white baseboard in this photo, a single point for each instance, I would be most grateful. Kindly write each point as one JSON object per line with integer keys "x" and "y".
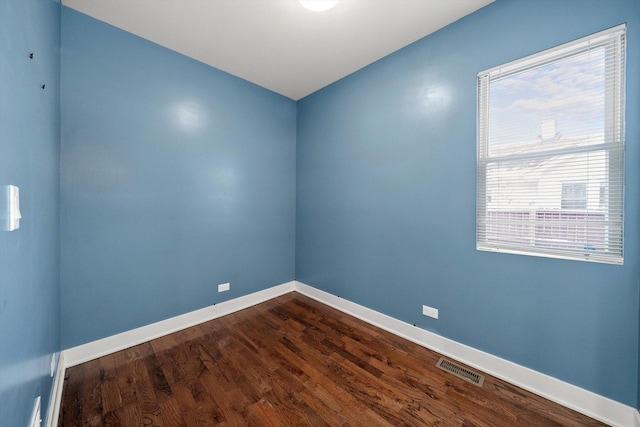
{"x": 56, "y": 393}
{"x": 581, "y": 400}
{"x": 92, "y": 350}
{"x": 576, "y": 398}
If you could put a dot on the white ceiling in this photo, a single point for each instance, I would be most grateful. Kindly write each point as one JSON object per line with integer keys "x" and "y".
{"x": 277, "y": 44}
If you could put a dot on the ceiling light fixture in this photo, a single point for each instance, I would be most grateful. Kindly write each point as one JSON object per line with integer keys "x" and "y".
{"x": 318, "y": 5}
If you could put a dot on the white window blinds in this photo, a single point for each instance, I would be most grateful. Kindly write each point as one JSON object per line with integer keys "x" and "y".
{"x": 551, "y": 150}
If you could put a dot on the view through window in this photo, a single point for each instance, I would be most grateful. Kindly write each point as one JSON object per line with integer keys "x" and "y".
{"x": 550, "y": 152}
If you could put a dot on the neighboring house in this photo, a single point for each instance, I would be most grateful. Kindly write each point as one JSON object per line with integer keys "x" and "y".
{"x": 562, "y": 195}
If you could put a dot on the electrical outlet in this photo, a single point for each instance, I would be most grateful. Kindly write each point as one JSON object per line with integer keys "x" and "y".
{"x": 430, "y": 311}
{"x": 36, "y": 420}
{"x": 224, "y": 287}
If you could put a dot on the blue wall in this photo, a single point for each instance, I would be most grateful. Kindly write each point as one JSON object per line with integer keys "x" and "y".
{"x": 29, "y": 158}
{"x": 386, "y": 164}
{"x": 175, "y": 177}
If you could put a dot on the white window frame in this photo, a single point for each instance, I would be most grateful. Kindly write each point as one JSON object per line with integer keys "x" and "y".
{"x": 614, "y": 42}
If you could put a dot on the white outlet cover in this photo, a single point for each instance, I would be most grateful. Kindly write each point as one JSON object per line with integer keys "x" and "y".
{"x": 430, "y": 311}
{"x": 224, "y": 287}
{"x": 35, "y": 415}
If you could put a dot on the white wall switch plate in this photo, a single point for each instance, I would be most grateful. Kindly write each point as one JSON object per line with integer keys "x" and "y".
{"x": 224, "y": 287}
{"x": 53, "y": 365}
{"x": 430, "y": 311}
{"x": 14, "y": 208}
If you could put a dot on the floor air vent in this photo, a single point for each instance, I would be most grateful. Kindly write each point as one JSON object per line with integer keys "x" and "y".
{"x": 460, "y": 372}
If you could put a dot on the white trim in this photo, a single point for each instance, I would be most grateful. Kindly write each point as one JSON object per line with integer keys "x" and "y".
{"x": 599, "y": 407}
{"x": 554, "y": 53}
{"x": 92, "y": 350}
{"x": 581, "y": 400}
{"x": 56, "y": 393}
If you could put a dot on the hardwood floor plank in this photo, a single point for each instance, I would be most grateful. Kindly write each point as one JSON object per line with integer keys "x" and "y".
{"x": 233, "y": 404}
{"x": 124, "y": 416}
{"x": 262, "y": 413}
{"x": 171, "y": 415}
{"x": 71, "y": 405}
{"x": 161, "y": 386}
{"x": 126, "y": 379}
{"x": 109, "y": 390}
{"x": 197, "y": 407}
{"x": 147, "y": 400}
{"x": 291, "y": 361}
{"x": 332, "y": 394}
{"x": 91, "y": 395}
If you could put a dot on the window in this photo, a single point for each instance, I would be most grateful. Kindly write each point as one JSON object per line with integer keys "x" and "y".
{"x": 550, "y": 152}
{"x": 574, "y": 196}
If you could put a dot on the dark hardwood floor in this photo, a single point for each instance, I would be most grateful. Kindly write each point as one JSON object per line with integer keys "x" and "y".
{"x": 291, "y": 361}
